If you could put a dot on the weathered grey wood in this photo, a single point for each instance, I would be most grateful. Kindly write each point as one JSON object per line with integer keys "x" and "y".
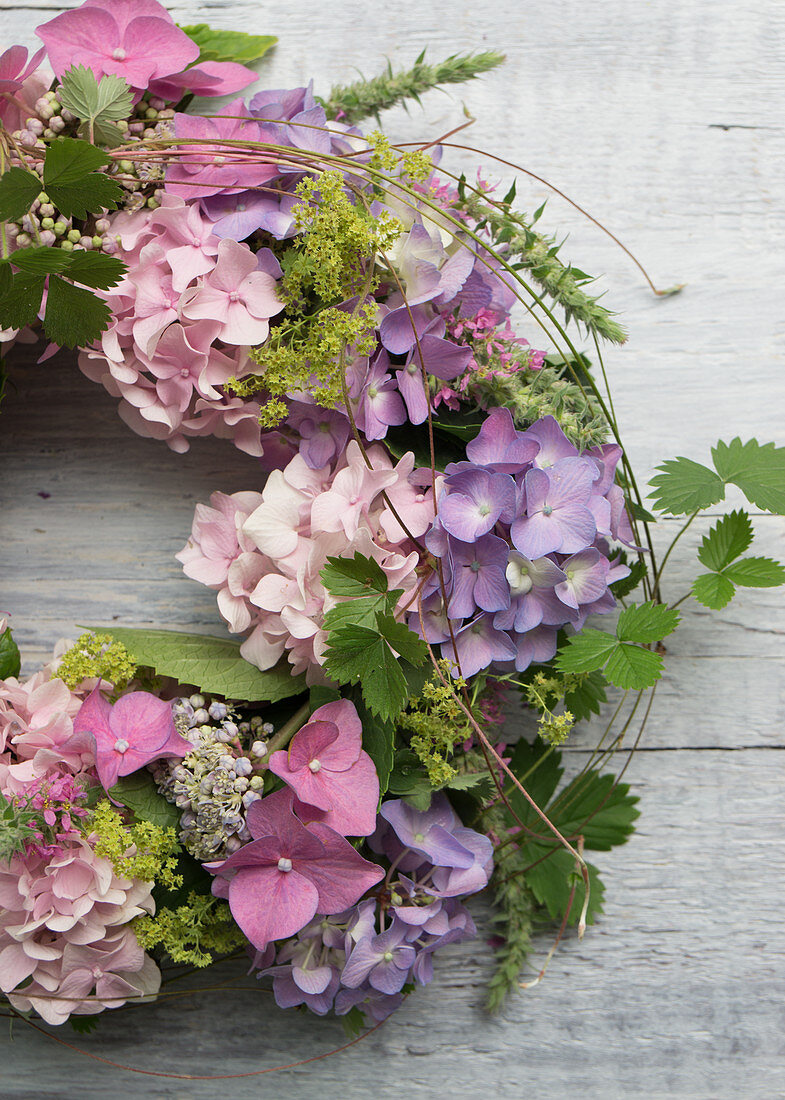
{"x": 679, "y": 991}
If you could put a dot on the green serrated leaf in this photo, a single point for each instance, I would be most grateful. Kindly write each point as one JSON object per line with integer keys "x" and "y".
{"x": 74, "y": 316}
{"x": 357, "y": 576}
{"x": 646, "y": 622}
{"x": 713, "y": 590}
{"x": 585, "y": 652}
{"x": 757, "y": 469}
{"x": 319, "y": 695}
{"x": 357, "y": 653}
{"x": 41, "y": 260}
{"x": 756, "y": 573}
{"x": 10, "y": 660}
{"x": 18, "y": 191}
{"x": 630, "y": 666}
{"x": 95, "y": 269}
{"x": 97, "y": 103}
{"x": 730, "y": 537}
{"x": 20, "y": 305}
{"x": 6, "y": 278}
{"x": 219, "y": 45}
{"x": 551, "y": 881}
{"x": 685, "y": 486}
{"x": 72, "y": 182}
{"x": 213, "y": 664}
{"x": 403, "y": 640}
{"x": 139, "y": 794}
{"x": 362, "y": 611}
{"x": 598, "y": 808}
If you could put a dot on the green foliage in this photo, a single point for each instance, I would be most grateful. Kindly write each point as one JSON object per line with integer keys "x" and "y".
{"x": 435, "y": 724}
{"x": 685, "y": 486}
{"x": 10, "y": 659}
{"x": 139, "y": 794}
{"x": 143, "y": 850}
{"x": 74, "y": 316}
{"x": 364, "y": 637}
{"x": 719, "y": 551}
{"x": 83, "y": 1025}
{"x": 623, "y": 587}
{"x": 17, "y": 828}
{"x": 366, "y": 98}
{"x": 212, "y": 664}
{"x": 586, "y": 694}
{"x": 220, "y": 45}
{"x": 528, "y": 250}
{"x": 758, "y": 470}
{"x": 98, "y": 104}
{"x": 193, "y": 932}
{"x": 621, "y": 657}
{"x": 515, "y": 909}
{"x": 378, "y": 740}
{"x": 73, "y": 182}
{"x": 96, "y": 655}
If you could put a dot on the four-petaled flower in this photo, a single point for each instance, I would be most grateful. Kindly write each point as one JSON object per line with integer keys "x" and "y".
{"x": 138, "y": 729}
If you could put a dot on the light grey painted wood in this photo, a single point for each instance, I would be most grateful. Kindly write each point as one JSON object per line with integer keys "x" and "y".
{"x": 679, "y": 991}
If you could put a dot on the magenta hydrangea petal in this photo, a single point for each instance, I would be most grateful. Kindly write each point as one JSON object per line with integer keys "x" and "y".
{"x": 143, "y": 720}
{"x": 343, "y": 876}
{"x": 268, "y": 903}
{"x": 309, "y": 744}
{"x": 352, "y": 797}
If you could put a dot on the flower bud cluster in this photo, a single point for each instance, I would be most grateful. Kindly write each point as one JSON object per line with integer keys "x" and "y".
{"x": 214, "y": 785}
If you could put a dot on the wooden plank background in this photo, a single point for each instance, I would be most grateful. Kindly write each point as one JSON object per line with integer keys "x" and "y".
{"x": 664, "y": 119}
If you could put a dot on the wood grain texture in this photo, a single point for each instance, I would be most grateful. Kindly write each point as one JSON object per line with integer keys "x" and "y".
{"x": 665, "y": 120}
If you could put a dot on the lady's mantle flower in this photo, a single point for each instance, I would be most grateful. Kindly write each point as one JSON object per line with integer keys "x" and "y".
{"x": 287, "y": 874}
{"x": 327, "y": 768}
{"x": 139, "y": 728}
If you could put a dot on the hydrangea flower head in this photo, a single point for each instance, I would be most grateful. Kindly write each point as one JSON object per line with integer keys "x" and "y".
{"x": 139, "y": 728}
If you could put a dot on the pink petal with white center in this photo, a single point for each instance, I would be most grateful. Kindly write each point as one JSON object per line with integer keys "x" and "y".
{"x": 353, "y": 796}
{"x": 269, "y": 904}
{"x": 342, "y": 876}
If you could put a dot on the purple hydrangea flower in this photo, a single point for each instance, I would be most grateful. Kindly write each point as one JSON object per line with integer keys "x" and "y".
{"x": 478, "y": 576}
{"x": 500, "y": 447}
{"x": 557, "y": 514}
{"x": 384, "y": 960}
{"x": 476, "y": 500}
{"x": 478, "y": 644}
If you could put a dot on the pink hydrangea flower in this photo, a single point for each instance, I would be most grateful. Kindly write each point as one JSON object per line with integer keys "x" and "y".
{"x": 288, "y": 873}
{"x": 133, "y": 39}
{"x": 138, "y": 729}
{"x": 237, "y": 295}
{"x": 328, "y": 770}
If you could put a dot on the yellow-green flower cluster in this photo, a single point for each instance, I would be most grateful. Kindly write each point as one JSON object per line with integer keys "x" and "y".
{"x": 436, "y": 724}
{"x": 96, "y": 656}
{"x": 142, "y": 850}
{"x": 545, "y": 693}
{"x": 191, "y": 933}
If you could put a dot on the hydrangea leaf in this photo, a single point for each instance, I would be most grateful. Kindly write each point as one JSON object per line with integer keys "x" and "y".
{"x": 631, "y": 666}
{"x": 10, "y": 660}
{"x": 212, "y": 664}
{"x": 220, "y": 45}
{"x": 138, "y": 793}
{"x": 72, "y": 182}
{"x": 598, "y": 808}
{"x": 758, "y": 470}
{"x": 729, "y": 538}
{"x": 685, "y": 486}
{"x": 646, "y": 622}
{"x": 357, "y": 576}
{"x": 551, "y": 880}
{"x": 755, "y": 573}
{"x": 18, "y": 191}
{"x": 713, "y": 590}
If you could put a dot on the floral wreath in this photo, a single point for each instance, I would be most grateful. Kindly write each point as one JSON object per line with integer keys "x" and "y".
{"x": 445, "y": 507}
